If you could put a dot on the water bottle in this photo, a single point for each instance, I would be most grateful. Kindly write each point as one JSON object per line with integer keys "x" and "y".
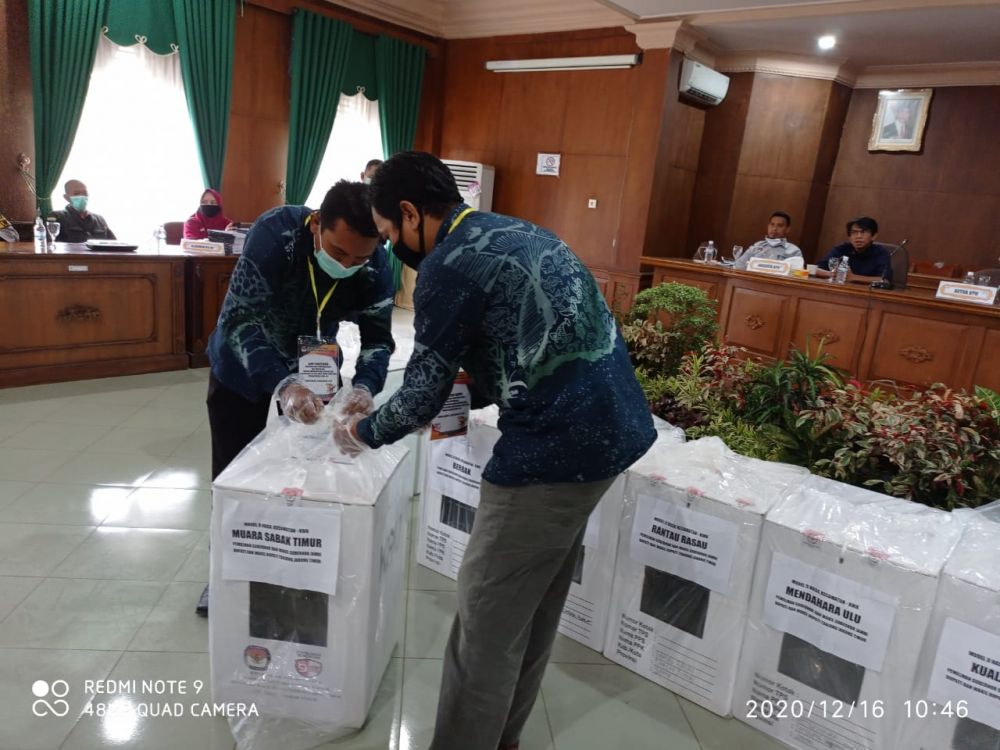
{"x": 970, "y": 278}
{"x": 842, "y": 270}
{"x": 159, "y": 234}
{"x": 41, "y": 236}
{"x": 710, "y": 252}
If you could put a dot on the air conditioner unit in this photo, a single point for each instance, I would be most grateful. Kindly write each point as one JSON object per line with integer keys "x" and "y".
{"x": 475, "y": 183}
{"x": 702, "y": 84}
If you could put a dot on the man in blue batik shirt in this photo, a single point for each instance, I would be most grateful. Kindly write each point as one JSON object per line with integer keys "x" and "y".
{"x": 509, "y": 303}
{"x": 301, "y": 270}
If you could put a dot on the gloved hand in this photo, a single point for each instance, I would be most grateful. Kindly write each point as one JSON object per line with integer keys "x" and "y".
{"x": 300, "y": 404}
{"x": 359, "y": 401}
{"x": 345, "y": 435}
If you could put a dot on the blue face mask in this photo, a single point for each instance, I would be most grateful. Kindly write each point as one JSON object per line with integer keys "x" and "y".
{"x": 79, "y": 202}
{"x": 331, "y": 266}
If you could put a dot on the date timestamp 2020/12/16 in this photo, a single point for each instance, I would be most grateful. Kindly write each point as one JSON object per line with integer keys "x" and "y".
{"x": 836, "y": 709}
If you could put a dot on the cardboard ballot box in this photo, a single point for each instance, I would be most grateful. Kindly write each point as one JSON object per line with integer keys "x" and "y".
{"x": 689, "y": 529}
{"x": 843, "y": 590}
{"x": 955, "y": 704}
{"x": 307, "y": 582}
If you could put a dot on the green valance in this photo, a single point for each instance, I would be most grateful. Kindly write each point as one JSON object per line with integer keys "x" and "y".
{"x": 361, "y": 67}
{"x": 148, "y": 22}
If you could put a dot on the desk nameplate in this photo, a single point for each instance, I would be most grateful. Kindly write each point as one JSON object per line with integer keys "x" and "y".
{"x": 956, "y": 290}
{"x": 773, "y": 267}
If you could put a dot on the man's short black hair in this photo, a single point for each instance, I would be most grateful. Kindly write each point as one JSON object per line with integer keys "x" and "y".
{"x": 783, "y": 215}
{"x": 372, "y": 163}
{"x": 348, "y": 201}
{"x": 863, "y": 222}
{"x": 417, "y": 177}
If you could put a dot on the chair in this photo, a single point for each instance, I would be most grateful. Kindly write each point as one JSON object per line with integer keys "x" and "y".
{"x": 937, "y": 268}
{"x": 900, "y": 260}
{"x": 175, "y": 232}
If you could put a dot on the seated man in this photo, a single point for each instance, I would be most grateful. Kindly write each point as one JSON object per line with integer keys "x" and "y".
{"x": 76, "y": 223}
{"x": 774, "y": 246}
{"x": 868, "y": 261}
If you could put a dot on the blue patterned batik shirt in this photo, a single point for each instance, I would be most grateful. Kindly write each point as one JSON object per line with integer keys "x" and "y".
{"x": 510, "y": 303}
{"x": 270, "y": 303}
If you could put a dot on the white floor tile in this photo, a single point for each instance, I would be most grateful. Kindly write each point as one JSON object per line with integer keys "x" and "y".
{"x": 65, "y": 504}
{"x": 156, "y": 508}
{"x": 90, "y": 414}
{"x": 183, "y": 473}
{"x": 567, "y": 651}
{"x": 20, "y": 728}
{"x": 26, "y": 465}
{"x": 594, "y": 707}
{"x": 173, "y": 624}
{"x": 36, "y": 550}
{"x": 715, "y": 733}
{"x": 195, "y": 445}
{"x": 167, "y": 418}
{"x": 94, "y": 467}
{"x": 129, "y": 554}
{"x": 13, "y": 590}
{"x": 126, "y": 728}
{"x": 428, "y": 622}
{"x": 85, "y": 614}
{"x": 381, "y": 731}
{"x": 139, "y": 441}
{"x": 10, "y": 428}
{"x": 44, "y": 435}
{"x": 196, "y": 566}
{"x": 11, "y": 490}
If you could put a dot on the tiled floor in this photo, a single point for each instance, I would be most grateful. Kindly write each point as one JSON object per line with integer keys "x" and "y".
{"x": 104, "y": 505}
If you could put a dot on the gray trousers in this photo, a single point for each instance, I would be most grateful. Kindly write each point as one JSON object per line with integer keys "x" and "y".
{"x": 513, "y": 583}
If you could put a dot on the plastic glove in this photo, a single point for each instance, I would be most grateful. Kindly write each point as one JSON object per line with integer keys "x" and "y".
{"x": 345, "y": 435}
{"x": 359, "y": 401}
{"x": 300, "y": 404}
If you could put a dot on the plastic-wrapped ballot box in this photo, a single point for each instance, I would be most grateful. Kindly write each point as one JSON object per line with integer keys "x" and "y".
{"x": 689, "y": 534}
{"x": 956, "y": 701}
{"x": 843, "y": 591}
{"x": 308, "y": 564}
{"x": 448, "y": 507}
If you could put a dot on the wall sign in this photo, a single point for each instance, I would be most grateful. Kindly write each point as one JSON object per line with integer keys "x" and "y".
{"x": 548, "y": 164}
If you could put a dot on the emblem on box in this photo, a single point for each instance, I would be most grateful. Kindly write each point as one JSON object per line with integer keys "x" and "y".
{"x": 308, "y": 667}
{"x": 257, "y": 657}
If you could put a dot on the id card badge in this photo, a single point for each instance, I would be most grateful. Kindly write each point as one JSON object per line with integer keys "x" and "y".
{"x": 318, "y": 368}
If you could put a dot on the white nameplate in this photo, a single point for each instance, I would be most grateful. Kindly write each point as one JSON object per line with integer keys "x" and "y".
{"x": 765, "y": 265}
{"x": 203, "y": 247}
{"x": 77, "y": 269}
{"x": 981, "y": 295}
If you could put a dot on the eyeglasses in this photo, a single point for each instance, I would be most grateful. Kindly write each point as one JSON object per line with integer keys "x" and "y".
{"x": 858, "y": 232}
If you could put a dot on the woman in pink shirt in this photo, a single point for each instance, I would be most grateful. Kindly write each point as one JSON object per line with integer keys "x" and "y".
{"x": 208, "y": 216}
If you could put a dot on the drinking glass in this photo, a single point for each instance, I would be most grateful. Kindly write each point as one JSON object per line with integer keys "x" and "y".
{"x": 834, "y": 264}
{"x": 737, "y": 252}
{"x": 53, "y": 226}
{"x": 699, "y": 255}
{"x": 709, "y": 254}
{"x": 159, "y": 235}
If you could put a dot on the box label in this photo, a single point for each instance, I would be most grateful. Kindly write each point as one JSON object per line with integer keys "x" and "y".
{"x": 832, "y": 613}
{"x": 684, "y": 542}
{"x": 967, "y": 668}
{"x": 294, "y": 547}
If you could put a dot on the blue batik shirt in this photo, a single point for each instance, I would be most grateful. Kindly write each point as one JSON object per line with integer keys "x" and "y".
{"x": 510, "y": 303}
{"x": 270, "y": 303}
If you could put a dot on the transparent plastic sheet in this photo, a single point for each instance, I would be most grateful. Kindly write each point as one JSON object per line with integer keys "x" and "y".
{"x": 689, "y": 532}
{"x": 844, "y": 587}
{"x": 309, "y": 660}
{"x": 955, "y": 702}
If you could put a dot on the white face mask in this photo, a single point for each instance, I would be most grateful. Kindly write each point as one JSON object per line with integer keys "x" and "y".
{"x": 775, "y": 241}
{"x": 367, "y": 180}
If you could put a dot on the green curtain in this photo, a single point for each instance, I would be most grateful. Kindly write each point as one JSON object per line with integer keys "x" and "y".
{"x": 206, "y": 30}
{"x": 361, "y": 67}
{"x": 148, "y": 22}
{"x": 64, "y": 36}
{"x": 321, "y": 49}
{"x": 399, "y": 72}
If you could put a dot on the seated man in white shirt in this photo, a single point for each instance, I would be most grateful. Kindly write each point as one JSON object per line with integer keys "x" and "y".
{"x": 774, "y": 246}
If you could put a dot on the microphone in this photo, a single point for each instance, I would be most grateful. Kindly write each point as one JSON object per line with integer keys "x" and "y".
{"x": 885, "y": 283}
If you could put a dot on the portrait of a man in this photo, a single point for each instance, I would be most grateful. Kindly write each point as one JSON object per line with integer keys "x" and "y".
{"x": 900, "y": 119}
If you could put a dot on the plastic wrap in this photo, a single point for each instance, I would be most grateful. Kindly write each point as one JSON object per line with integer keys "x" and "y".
{"x": 308, "y": 563}
{"x": 843, "y": 591}
{"x": 689, "y": 532}
{"x": 955, "y": 703}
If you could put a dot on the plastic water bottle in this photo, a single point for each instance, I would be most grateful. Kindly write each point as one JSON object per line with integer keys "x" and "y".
{"x": 842, "y": 270}
{"x": 710, "y": 252}
{"x": 41, "y": 236}
{"x": 159, "y": 234}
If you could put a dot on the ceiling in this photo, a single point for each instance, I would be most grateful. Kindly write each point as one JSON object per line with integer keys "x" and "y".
{"x": 871, "y": 33}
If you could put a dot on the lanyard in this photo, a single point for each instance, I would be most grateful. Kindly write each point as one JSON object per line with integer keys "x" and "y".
{"x": 319, "y": 306}
{"x": 458, "y": 219}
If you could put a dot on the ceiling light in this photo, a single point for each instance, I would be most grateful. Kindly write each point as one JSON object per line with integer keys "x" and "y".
{"x": 597, "y": 62}
{"x": 827, "y": 42}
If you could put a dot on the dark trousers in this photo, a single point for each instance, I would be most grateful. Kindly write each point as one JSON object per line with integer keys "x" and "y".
{"x": 234, "y": 421}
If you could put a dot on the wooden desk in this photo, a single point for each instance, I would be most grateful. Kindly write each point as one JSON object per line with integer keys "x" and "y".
{"x": 906, "y": 336}
{"x": 71, "y": 313}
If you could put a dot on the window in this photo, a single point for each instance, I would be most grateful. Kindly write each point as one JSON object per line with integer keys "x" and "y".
{"x": 355, "y": 140}
{"x": 135, "y": 147}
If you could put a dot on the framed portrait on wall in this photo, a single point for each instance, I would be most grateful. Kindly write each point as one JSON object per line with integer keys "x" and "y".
{"x": 900, "y": 119}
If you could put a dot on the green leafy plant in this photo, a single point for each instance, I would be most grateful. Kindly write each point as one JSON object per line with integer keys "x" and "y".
{"x": 665, "y": 323}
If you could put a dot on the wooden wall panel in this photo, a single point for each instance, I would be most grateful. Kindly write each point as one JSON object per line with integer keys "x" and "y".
{"x": 16, "y": 124}
{"x": 257, "y": 150}
{"x": 945, "y": 199}
{"x": 592, "y": 232}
